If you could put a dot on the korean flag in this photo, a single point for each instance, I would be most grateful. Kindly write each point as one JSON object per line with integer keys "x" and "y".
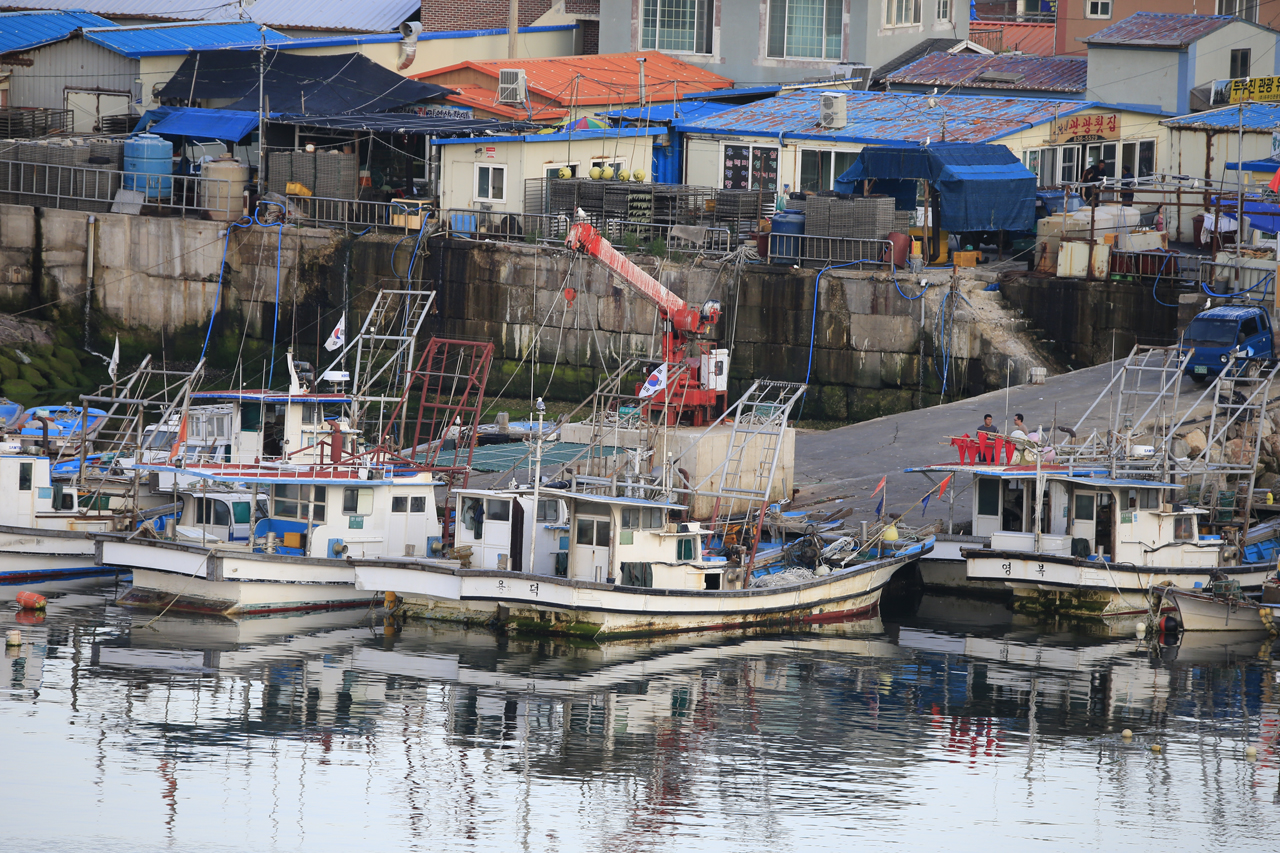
{"x": 656, "y": 381}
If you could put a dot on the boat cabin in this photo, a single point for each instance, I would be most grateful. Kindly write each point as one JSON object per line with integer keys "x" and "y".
{"x": 222, "y": 516}
{"x": 33, "y": 500}
{"x": 253, "y": 425}
{"x": 1083, "y": 514}
{"x": 627, "y": 541}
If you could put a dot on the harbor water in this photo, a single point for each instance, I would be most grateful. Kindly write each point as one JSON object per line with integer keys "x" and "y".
{"x": 957, "y": 728}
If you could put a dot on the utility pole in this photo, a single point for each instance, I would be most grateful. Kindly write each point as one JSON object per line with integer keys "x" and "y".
{"x": 513, "y": 28}
{"x": 262, "y": 113}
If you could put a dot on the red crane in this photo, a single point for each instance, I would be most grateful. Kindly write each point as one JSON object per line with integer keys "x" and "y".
{"x": 697, "y": 393}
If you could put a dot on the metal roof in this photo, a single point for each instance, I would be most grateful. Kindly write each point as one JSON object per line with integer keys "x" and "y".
{"x": 875, "y": 117}
{"x": 425, "y": 125}
{"x": 669, "y": 112}
{"x": 1159, "y": 29}
{"x": 363, "y": 16}
{"x": 563, "y": 135}
{"x": 1036, "y": 39}
{"x": 1258, "y": 117}
{"x": 766, "y": 89}
{"x": 605, "y": 79}
{"x": 1036, "y": 73}
{"x": 27, "y": 30}
{"x": 168, "y": 39}
{"x": 916, "y": 51}
{"x": 479, "y": 97}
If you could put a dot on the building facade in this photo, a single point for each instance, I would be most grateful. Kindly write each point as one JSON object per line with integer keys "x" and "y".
{"x": 780, "y": 41}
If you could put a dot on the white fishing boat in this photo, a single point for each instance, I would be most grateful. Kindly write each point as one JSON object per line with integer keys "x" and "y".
{"x": 1220, "y": 606}
{"x": 1085, "y": 528}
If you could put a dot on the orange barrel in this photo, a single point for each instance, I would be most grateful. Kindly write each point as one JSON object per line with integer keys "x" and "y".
{"x": 31, "y": 600}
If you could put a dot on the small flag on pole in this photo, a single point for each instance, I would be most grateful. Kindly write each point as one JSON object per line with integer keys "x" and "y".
{"x": 656, "y": 381}
{"x": 338, "y": 336}
{"x": 879, "y": 507}
{"x": 925, "y": 505}
{"x": 881, "y": 486}
{"x": 1274, "y": 183}
{"x": 943, "y": 487}
{"x": 115, "y": 360}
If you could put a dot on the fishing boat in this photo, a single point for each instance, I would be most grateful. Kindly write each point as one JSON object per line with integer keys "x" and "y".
{"x": 1222, "y": 606}
{"x": 58, "y": 428}
{"x": 10, "y": 412}
{"x": 1087, "y": 527}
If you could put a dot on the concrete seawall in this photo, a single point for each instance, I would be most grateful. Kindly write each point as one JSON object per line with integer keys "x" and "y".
{"x": 869, "y": 349}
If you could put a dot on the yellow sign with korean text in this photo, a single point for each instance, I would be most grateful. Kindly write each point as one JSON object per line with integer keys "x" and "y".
{"x": 1244, "y": 90}
{"x": 1086, "y": 128}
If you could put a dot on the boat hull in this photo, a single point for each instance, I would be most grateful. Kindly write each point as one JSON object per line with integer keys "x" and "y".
{"x": 31, "y": 554}
{"x": 554, "y": 605}
{"x": 195, "y": 579}
{"x": 1203, "y": 612}
{"x": 1071, "y": 586}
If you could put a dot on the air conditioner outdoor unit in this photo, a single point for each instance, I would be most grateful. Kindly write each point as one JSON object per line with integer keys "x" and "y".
{"x": 512, "y": 88}
{"x": 833, "y": 110}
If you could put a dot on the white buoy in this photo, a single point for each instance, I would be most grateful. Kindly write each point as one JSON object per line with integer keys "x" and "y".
{"x": 1251, "y": 752}
{"x": 13, "y": 638}
{"x": 1140, "y": 629}
{"x": 1126, "y": 734}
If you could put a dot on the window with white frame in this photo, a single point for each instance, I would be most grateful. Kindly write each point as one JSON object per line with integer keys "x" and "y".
{"x": 819, "y": 168}
{"x": 1097, "y": 9}
{"x": 552, "y": 170}
{"x": 1247, "y": 9}
{"x": 901, "y": 13}
{"x": 944, "y": 10}
{"x": 806, "y": 29}
{"x": 615, "y": 163}
{"x": 491, "y": 182}
{"x": 680, "y": 25}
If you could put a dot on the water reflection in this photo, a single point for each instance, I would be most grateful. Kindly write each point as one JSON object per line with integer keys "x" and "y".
{"x": 327, "y": 731}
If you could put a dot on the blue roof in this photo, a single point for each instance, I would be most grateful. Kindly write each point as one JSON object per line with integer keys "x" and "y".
{"x": 671, "y": 111}
{"x": 877, "y": 117}
{"x": 27, "y": 30}
{"x": 1257, "y": 116}
{"x": 1255, "y": 166}
{"x": 589, "y": 133}
{"x": 169, "y": 39}
{"x": 1230, "y": 312}
{"x": 768, "y": 89}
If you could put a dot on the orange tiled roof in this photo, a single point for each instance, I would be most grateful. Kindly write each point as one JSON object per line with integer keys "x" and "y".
{"x": 478, "y": 97}
{"x": 603, "y": 79}
{"x": 1035, "y": 39}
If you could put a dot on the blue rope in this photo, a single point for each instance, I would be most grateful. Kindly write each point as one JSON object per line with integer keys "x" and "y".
{"x": 813, "y": 323}
{"x": 1265, "y": 282}
{"x": 1159, "y": 273}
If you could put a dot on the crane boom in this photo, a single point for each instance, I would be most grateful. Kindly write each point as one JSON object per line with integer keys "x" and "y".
{"x": 583, "y": 237}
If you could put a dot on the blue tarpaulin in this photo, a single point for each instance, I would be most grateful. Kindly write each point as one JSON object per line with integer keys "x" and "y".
{"x": 980, "y": 187}
{"x": 199, "y": 124}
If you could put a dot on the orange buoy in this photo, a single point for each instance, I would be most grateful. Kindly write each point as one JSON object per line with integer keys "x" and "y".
{"x": 31, "y": 600}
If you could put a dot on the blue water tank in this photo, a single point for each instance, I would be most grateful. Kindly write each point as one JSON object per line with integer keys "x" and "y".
{"x": 1052, "y": 202}
{"x": 148, "y": 165}
{"x": 784, "y": 241}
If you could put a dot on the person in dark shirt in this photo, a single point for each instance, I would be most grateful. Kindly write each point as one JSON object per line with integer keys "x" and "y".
{"x": 987, "y": 425}
{"x": 1127, "y": 183}
{"x": 1092, "y": 175}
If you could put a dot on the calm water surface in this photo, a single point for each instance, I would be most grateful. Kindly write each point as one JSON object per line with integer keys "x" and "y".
{"x": 955, "y": 730}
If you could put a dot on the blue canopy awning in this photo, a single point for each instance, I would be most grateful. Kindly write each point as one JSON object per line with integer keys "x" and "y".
{"x": 199, "y": 124}
{"x": 981, "y": 187}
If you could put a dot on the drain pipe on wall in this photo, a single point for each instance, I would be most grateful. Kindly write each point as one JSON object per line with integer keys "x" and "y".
{"x": 88, "y": 276}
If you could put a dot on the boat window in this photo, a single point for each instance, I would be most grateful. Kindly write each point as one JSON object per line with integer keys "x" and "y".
{"x": 240, "y": 512}
{"x": 309, "y": 413}
{"x": 630, "y": 518}
{"x": 498, "y": 510}
{"x": 1149, "y": 498}
{"x": 319, "y": 497}
{"x": 418, "y": 504}
{"x": 549, "y": 511}
{"x": 286, "y": 500}
{"x": 250, "y": 417}
{"x": 651, "y": 518}
{"x": 24, "y": 476}
{"x": 161, "y": 439}
{"x": 357, "y": 501}
{"x": 684, "y": 549}
{"x": 988, "y": 496}
{"x": 473, "y": 516}
{"x": 593, "y": 531}
{"x": 1084, "y": 506}
{"x": 400, "y": 503}
{"x": 1184, "y": 527}
{"x": 212, "y": 511}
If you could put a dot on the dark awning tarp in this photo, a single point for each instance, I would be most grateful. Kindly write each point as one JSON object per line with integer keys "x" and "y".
{"x": 437, "y": 126}
{"x": 199, "y": 124}
{"x": 981, "y": 187}
{"x": 324, "y": 85}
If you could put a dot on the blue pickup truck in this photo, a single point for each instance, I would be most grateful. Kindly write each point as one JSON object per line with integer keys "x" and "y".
{"x": 1213, "y": 334}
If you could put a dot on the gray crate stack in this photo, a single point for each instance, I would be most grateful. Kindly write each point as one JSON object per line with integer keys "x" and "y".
{"x": 100, "y": 189}
{"x": 34, "y": 174}
{"x": 279, "y": 171}
{"x": 902, "y": 221}
{"x": 62, "y": 156}
{"x": 303, "y": 170}
{"x": 8, "y": 152}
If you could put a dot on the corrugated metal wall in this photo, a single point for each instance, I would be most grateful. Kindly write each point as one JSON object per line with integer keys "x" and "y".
{"x": 70, "y": 65}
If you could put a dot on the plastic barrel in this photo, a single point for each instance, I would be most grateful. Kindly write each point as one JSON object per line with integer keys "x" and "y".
{"x": 148, "y": 165}
{"x": 788, "y": 230}
{"x": 222, "y": 190}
